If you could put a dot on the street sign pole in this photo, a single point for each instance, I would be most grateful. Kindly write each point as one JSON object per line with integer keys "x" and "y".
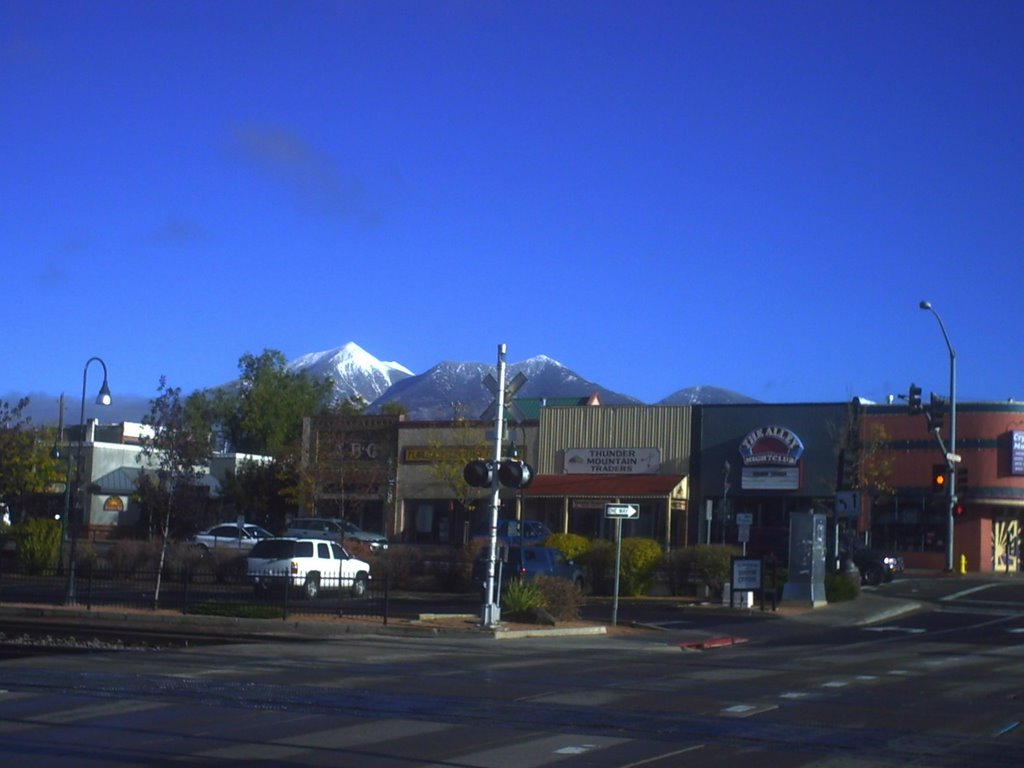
{"x": 618, "y": 513}
{"x": 618, "y": 562}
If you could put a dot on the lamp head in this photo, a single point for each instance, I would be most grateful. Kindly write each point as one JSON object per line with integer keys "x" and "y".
{"x": 925, "y": 305}
{"x": 104, "y": 397}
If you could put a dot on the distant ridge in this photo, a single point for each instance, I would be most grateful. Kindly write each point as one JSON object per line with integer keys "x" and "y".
{"x": 445, "y": 391}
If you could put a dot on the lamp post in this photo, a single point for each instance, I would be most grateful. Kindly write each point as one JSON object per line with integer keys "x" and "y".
{"x": 102, "y": 399}
{"x": 951, "y": 448}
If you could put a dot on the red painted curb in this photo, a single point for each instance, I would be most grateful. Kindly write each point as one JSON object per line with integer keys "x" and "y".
{"x": 712, "y": 642}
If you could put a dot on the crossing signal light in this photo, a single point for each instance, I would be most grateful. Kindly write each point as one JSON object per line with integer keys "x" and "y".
{"x": 939, "y": 477}
{"x": 515, "y": 473}
{"x": 914, "y": 400}
{"x": 479, "y": 474}
{"x": 512, "y": 473}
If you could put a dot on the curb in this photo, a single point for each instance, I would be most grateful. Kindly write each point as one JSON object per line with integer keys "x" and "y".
{"x": 711, "y": 642}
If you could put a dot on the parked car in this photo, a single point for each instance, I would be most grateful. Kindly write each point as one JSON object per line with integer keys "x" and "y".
{"x": 231, "y": 536}
{"x": 520, "y": 532}
{"x": 875, "y": 565}
{"x": 528, "y": 563}
{"x": 311, "y": 565}
{"x": 336, "y": 529}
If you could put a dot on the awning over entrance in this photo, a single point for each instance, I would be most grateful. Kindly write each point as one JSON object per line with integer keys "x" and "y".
{"x": 607, "y": 486}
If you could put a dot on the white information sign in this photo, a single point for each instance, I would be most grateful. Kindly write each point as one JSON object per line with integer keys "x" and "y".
{"x": 622, "y": 511}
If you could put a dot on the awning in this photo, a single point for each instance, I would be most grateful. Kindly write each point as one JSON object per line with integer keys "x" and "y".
{"x": 607, "y": 486}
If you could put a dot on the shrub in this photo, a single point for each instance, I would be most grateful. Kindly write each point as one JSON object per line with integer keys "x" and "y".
{"x": 518, "y": 597}
{"x": 127, "y": 556}
{"x": 638, "y": 564}
{"x": 708, "y": 565}
{"x": 560, "y": 598}
{"x": 572, "y": 545}
{"x": 400, "y": 564}
{"x": 599, "y": 564}
{"x": 38, "y": 542}
{"x": 839, "y": 587}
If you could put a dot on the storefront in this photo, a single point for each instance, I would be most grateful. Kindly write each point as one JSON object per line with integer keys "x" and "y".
{"x": 906, "y": 509}
{"x": 591, "y": 456}
{"x": 757, "y": 464}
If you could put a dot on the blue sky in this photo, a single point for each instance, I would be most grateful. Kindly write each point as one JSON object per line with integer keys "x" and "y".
{"x": 753, "y": 195}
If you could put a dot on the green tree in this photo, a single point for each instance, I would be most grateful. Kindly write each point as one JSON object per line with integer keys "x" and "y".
{"x": 26, "y": 464}
{"x": 180, "y": 450}
{"x": 263, "y": 413}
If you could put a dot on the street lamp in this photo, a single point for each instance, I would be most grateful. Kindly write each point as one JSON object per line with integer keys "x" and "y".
{"x": 102, "y": 399}
{"x": 951, "y": 448}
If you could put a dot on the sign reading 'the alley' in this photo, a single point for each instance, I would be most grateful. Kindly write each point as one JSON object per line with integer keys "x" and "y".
{"x": 612, "y": 461}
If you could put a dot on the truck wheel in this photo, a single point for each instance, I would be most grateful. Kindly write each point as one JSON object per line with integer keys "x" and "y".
{"x": 360, "y": 585}
{"x": 873, "y": 574}
{"x": 312, "y": 586}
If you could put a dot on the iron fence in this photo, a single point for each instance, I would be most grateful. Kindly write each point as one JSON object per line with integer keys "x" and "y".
{"x": 210, "y": 592}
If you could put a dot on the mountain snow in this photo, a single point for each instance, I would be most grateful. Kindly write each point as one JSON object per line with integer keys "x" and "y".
{"x": 352, "y": 370}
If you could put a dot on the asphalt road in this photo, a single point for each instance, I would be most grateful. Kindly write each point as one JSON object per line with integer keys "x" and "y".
{"x": 939, "y": 683}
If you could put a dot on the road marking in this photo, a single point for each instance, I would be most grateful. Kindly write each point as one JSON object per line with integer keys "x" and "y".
{"x": 963, "y": 592}
{"x": 659, "y": 758}
{"x": 1007, "y": 728}
{"x": 835, "y": 684}
{"x": 746, "y": 710}
{"x": 907, "y": 630}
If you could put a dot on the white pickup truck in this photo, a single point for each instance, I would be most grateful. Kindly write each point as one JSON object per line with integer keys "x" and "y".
{"x": 311, "y": 565}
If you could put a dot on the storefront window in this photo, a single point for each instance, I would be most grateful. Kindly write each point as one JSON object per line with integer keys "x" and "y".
{"x": 909, "y": 524}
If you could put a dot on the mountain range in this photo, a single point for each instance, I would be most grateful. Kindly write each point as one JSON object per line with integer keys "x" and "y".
{"x": 447, "y": 390}
{"x": 451, "y": 389}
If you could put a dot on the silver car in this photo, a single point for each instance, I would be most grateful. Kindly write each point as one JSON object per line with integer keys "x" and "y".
{"x": 337, "y": 529}
{"x": 240, "y": 536}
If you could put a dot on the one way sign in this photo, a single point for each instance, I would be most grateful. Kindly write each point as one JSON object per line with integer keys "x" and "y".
{"x": 622, "y": 511}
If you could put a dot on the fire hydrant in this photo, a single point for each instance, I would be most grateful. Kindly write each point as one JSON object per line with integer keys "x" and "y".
{"x": 963, "y": 564}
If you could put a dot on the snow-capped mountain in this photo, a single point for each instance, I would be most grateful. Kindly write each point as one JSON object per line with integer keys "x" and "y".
{"x": 705, "y": 395}
{"x": 352, "y": 370}
{"x": 451, "y": 389}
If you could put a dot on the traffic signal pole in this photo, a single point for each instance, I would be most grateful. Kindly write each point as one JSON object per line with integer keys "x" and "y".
{"x": 491, "y": 614}
{"x": 951, "y": 455}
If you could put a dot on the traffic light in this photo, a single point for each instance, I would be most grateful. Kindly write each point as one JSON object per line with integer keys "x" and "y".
{"x": 515, "y": 473}
{"x": 961, "y": 478}
{"x": 479, "y": 473}
{"x": 936, "y": 412}
{"x": 914, "y": 400}
{"x": 958, "y": 510}
{"x": 849, "y": 469}
{"x": 939, "y": 478}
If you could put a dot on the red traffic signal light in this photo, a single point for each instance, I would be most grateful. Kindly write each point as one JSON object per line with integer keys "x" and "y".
{"x": 958, "y": 510}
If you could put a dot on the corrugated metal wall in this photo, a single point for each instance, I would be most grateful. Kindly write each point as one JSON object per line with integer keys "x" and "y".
{"x": 666, "y": 428}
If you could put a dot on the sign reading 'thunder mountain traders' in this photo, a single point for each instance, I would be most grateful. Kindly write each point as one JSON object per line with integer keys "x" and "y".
{"x": 612, "y": 461}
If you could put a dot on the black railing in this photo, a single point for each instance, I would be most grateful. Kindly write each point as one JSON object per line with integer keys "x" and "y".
{"x": 198, "y": 592}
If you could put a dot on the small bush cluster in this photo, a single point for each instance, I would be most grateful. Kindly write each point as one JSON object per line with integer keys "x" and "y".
{"x": 38, "y": 542}
{"x": 557, "y": 597}
{"x": 839, "y": 587}
{"x": 706, "y": 566}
